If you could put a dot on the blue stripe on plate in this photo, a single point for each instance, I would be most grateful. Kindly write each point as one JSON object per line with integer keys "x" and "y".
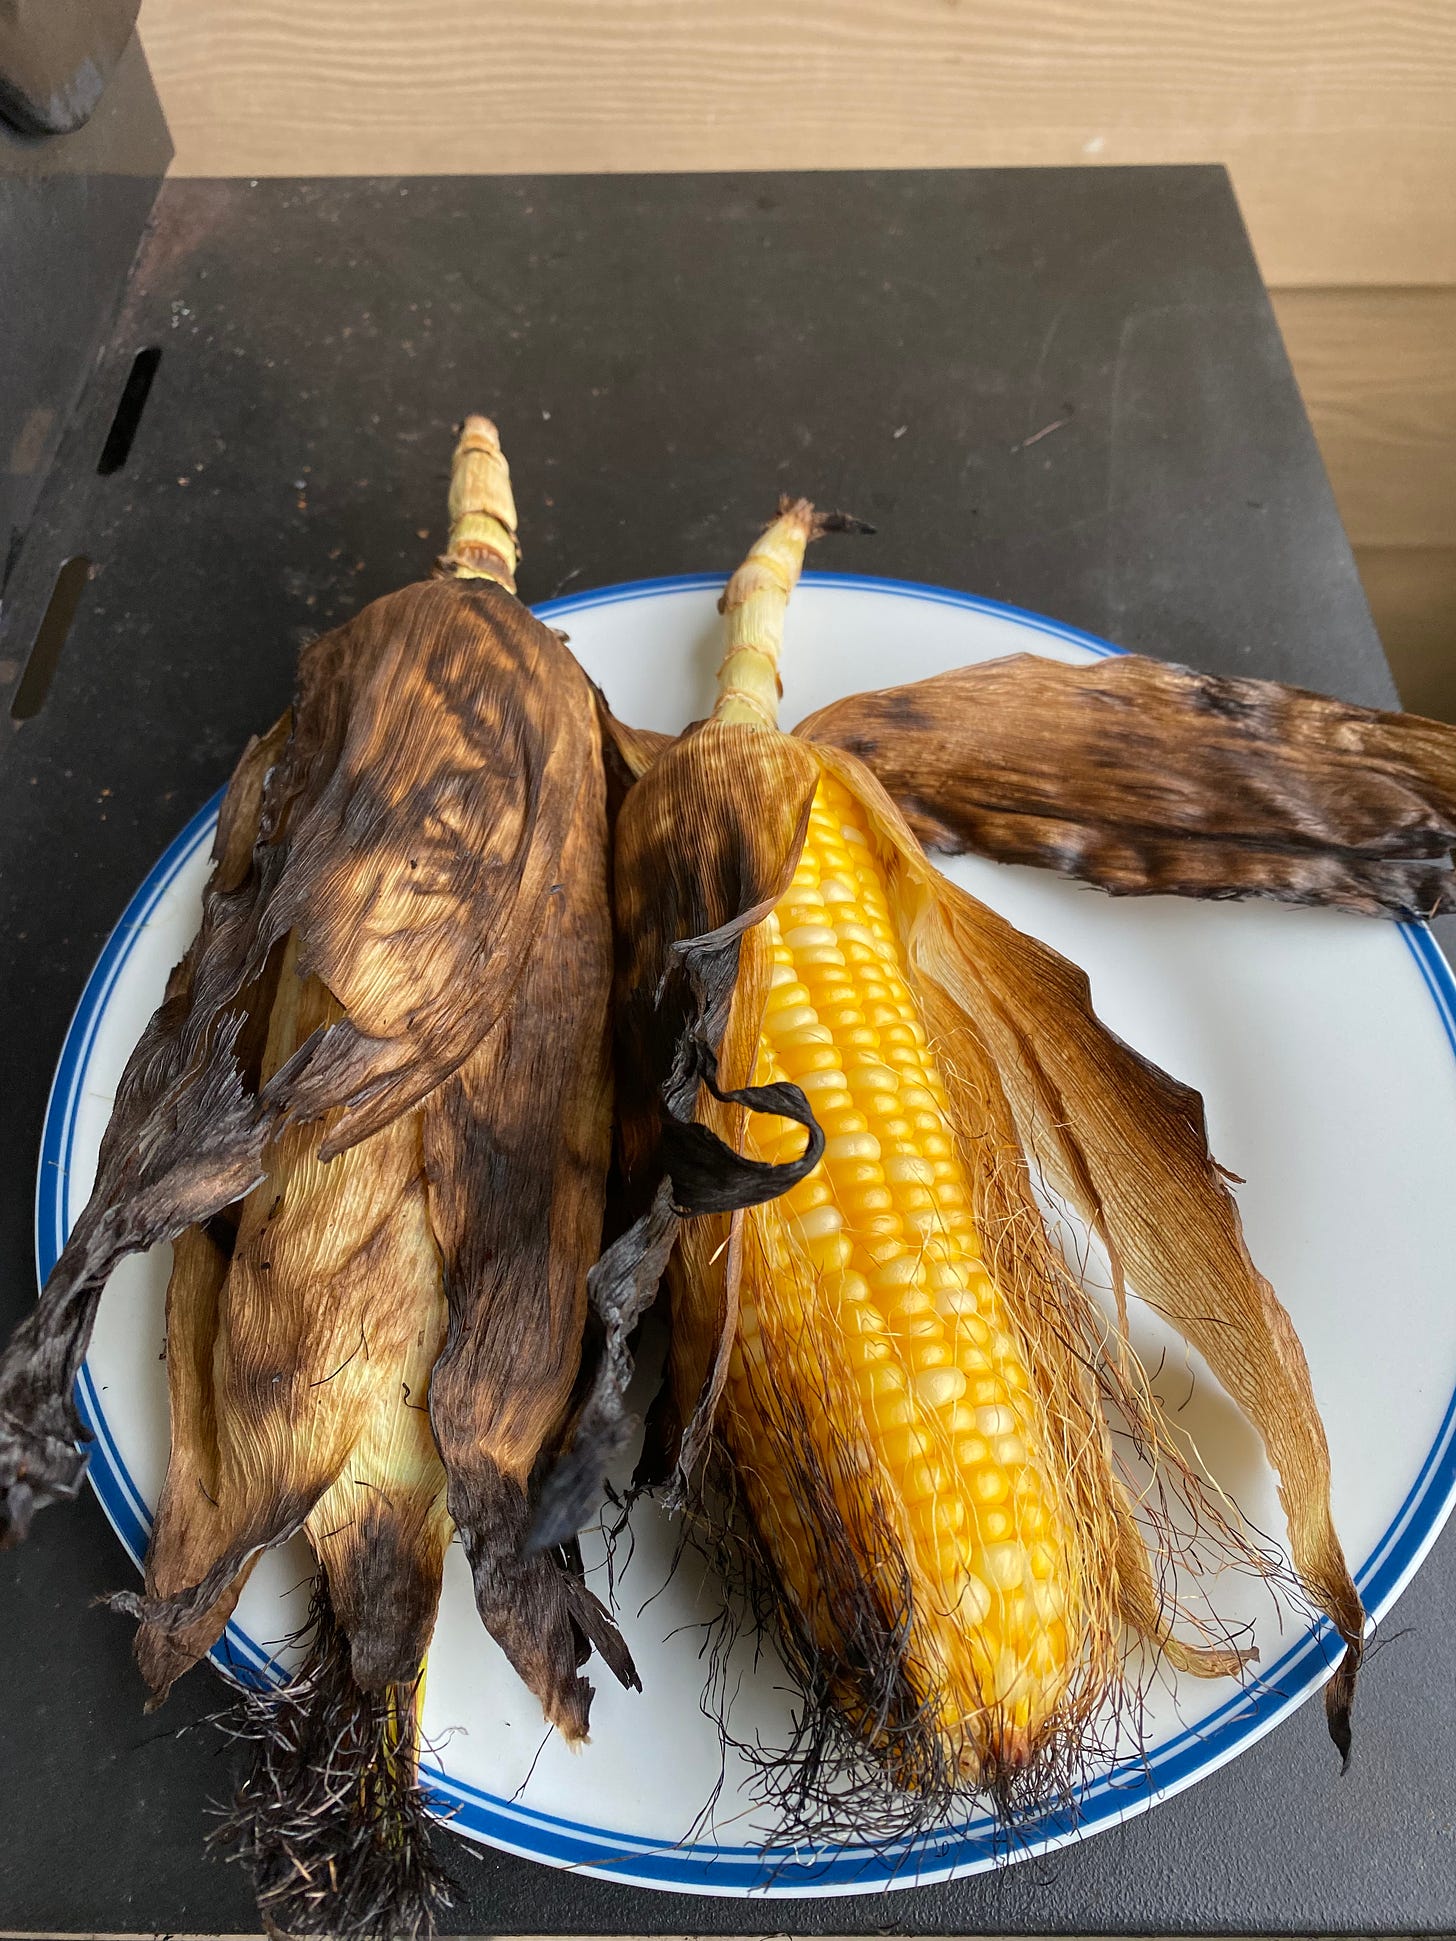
{"x": 725, "y": 1869}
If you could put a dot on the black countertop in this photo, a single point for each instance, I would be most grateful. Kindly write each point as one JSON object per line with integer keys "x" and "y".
{"x": 662, "y": 353}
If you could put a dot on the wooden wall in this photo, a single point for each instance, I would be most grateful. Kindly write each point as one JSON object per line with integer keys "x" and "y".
{"x": 1378, "y": 369}
{"x": 1336, "y": 117}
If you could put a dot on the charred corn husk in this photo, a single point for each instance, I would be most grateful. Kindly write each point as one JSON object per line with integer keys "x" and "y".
{"x": 1141, "y": 778}
{"x": 299, "y": 1369}
{"x": 374, "y": 1113}
{"x": 877, "y": 1353}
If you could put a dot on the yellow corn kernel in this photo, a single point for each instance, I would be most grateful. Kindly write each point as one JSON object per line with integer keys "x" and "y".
{"x": 938, "y": 1387}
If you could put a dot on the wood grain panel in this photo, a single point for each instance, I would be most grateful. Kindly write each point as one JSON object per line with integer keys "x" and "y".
{"x": 1378, "y": 373}
{"x": 1412, "y": 594}
{"x": 1337, "y": 118}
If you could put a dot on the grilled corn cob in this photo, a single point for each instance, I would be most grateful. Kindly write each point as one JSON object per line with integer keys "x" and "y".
{"x": 375, "y": 1113}
{"x": 878, "y": 1352}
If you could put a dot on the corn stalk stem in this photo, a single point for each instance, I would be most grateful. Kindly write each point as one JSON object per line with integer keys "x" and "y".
{"x": 482, "y": 543}
{"x": 754, "y": 603}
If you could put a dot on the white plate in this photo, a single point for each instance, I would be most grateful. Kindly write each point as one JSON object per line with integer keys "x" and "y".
{"x": 1323, "y": 1045}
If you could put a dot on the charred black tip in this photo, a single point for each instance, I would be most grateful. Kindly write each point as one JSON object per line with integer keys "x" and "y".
{"x": 34, "y": 1473}
{"x": 621, "y": 1287}
{"x": 572, "y": 1491}
{"x": 708, "y": 1176}
{"x": 1339, "y": 1703}
{"x": 825, "y": 522}
{"x": 15, "y": 1514}
{"x": 1337, "y": 1718}
{"x": 173, "y": 1614}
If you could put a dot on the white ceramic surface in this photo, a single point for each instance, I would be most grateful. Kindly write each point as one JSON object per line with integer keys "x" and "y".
{"x": 1323, "y": 1046}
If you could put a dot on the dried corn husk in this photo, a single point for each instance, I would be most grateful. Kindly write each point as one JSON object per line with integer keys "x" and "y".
{"x": 374, "y": 1111}
{"x": 1140, "y": 776}
{"x": 706, "y": 842}
{"x": 299, "y": 1370}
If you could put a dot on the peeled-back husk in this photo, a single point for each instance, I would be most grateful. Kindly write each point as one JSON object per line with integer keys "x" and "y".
{"x": 1141, "y": 776}
{"x": 184, "y": 1139}
{"x": 1127, "y": 1146}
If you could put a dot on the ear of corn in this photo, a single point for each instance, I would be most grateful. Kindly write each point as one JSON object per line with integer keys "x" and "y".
{"x": 375, "y": 1112}
{"x": 907, "y": 1389}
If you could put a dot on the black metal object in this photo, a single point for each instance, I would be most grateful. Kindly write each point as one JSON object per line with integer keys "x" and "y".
{"x": 56, "y": 57}
{"x": 72, "y": 212}
{"x": 662, "y": 353}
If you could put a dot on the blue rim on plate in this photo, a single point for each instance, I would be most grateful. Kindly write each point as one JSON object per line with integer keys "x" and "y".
{"x": 709, "y": 1868}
